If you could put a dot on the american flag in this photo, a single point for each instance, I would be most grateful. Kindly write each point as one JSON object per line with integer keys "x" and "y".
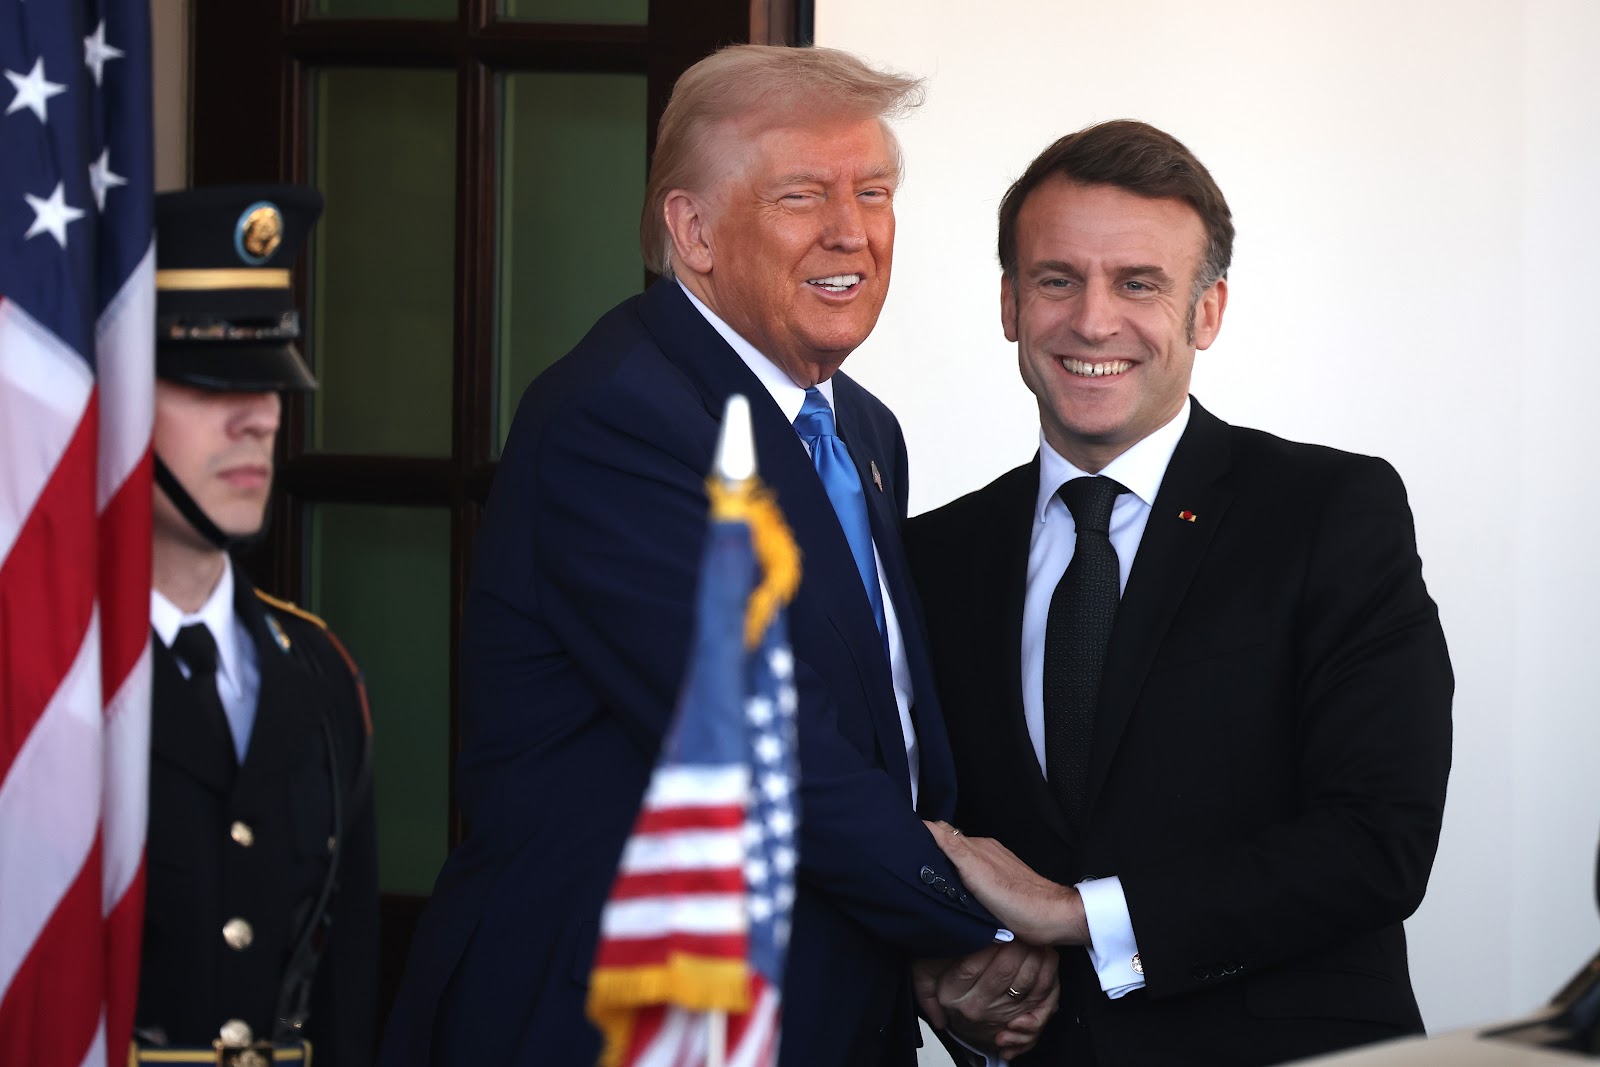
{"x": 698, "y": 919}
{"x": 77, "y": 329}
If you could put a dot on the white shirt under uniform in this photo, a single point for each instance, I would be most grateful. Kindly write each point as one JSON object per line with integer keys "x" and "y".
{"x": 1140, "y": 470}
{"x": 238, "y": 673}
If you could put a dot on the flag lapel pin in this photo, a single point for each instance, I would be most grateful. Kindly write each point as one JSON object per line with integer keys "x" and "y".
{"x": 877, "y": 479}
{"x": 1187, "y": 515}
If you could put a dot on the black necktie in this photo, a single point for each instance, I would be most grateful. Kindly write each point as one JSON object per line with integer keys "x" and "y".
{"x": 1082, "y": 612}
{"x": 198, "y": 650}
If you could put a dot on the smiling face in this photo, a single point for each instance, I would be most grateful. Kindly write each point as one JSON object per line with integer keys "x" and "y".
{"x": 1102, "y": 311}
{"x": 219, "y": 447}
{"x": 792, "y": 249}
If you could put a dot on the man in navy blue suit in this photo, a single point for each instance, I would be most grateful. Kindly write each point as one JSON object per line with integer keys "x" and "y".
{"x": 770, "y": 216}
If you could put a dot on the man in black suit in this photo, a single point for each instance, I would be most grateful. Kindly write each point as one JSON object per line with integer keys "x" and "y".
{"x": 261, "y": 906}
{"x": 1221, "y": 734}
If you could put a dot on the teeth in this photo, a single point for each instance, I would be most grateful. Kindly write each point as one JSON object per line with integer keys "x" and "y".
{"x": 836, "y": 283}
{"x": 1095, "y": 370}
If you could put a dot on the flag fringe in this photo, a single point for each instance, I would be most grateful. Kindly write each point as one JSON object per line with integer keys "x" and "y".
{"x": 691, "y": 982}
{"x": 757, "y": 507}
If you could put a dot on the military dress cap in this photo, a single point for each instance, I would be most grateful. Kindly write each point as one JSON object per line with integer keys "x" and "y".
{"x": 225, "y": 316}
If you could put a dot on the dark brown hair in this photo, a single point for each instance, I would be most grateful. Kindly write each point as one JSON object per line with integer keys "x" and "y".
{"x": 1141, "y": 159}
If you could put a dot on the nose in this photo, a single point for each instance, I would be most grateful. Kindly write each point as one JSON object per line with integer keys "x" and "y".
{"x": 846, "y": 230}
{"x": 1094, "y": 314}
{"x": 256, "y": 414}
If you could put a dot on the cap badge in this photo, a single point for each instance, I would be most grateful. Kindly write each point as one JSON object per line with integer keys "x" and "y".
{"x": 258, "y": 233}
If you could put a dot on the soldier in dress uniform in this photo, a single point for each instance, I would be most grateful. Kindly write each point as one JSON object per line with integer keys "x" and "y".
{"x": 261, "y": 911}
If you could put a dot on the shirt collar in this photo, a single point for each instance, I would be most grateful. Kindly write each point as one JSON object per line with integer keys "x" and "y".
{"x": 166, "y": 618}
{"x": 1140, "y": 469}
{"x": 789, "y": 397}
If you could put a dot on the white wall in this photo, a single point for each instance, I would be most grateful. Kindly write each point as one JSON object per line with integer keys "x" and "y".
{"x": 1415, "y": 187}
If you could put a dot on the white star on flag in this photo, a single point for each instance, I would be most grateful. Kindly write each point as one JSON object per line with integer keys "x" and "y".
{"x": 102, "y": 180}
{"x": 96, "y": 51}
{"x": 768, "y": 748}
{"x": 51, "y": 216}
{"x": 774, "y": 786}
{"x": 755, "y": 872}
{"x": 758, "y": 710}
{"x": 33, "y": 90}
{"x": 780, "y": 824}
{"x": 781, "y": 660}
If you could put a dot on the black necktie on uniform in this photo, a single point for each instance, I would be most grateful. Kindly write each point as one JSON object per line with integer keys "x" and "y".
{"x": 198, "y": 650}
{"x": 1082, "y": 612}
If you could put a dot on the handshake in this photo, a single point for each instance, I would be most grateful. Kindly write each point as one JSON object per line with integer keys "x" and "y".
{"x": 998, "y": 999}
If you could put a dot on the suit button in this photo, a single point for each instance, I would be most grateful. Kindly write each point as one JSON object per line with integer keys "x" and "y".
{"x": 928, "y": 875}
{"x": 238, "y": 934}
{"x": 236, "y": 1033}
{"x": 244, "y": 837}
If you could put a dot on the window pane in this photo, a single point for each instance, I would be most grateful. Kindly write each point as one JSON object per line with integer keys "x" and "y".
{"x": 381, "y": 577}
{"x": 601, "y": 11}
{"x": 572, "y": 172}
{"x": 383, "y": 261}
{"x": 383, "y": 9}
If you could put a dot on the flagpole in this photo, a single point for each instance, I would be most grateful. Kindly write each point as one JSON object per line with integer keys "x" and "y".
{"x": 716, "y": 1038}
{"x": 735, "y": 463}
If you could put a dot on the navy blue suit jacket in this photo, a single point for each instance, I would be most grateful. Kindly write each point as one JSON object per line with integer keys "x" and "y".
{"x": 577, "y": 628}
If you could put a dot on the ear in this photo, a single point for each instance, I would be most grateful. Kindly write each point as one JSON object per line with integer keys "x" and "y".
{"x": 1008, "y": 306}
{"x": 687, "y": 221}
{"x": 1208, "y": 314}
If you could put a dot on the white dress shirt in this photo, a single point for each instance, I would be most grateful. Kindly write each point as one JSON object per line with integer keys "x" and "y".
{"x": 1140, "y": 470}
{"x": 238, "y": 673}
{"x": 790, "y": 398}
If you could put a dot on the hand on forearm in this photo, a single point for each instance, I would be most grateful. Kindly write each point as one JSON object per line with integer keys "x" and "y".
{"x": 1032, "y": 907}
{"x": 997, "y": 999}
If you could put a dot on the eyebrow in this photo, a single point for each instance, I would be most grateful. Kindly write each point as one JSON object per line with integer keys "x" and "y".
{"x": 814, "y": 177}
{"x": 1061, "y": 266}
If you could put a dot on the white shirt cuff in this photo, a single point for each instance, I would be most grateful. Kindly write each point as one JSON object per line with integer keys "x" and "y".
{"x": 988, "y": 1059}
{"x": 1112, "y": 948}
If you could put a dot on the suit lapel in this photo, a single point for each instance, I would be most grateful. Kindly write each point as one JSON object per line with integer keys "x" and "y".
{"x": 286, "y": 708}
{"x": 1002, "y": 591}
{"x": 1169, "y": 554}
{"x": 873, "y": 457}
{"x": 180, "y": 730}
{"x": 829, "y": 582}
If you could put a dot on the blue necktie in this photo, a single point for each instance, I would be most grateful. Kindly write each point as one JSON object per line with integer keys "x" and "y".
{"x": 843, "y": 485}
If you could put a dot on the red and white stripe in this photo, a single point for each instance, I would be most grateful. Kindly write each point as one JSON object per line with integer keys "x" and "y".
{"x": 75, "y": 688}
{"x": 680, "y": 888}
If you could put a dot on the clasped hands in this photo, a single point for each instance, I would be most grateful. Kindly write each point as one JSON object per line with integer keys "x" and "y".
{"x": 1000, "y": 997}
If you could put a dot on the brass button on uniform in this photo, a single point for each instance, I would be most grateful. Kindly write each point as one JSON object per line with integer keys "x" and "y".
{"x": 242, "y": 836}
{"x": 238, "y": 934}
{"x": 236, "y": 1033}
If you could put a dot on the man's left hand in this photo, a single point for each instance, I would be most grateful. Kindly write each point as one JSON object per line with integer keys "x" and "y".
{"x": 997, "y": 999}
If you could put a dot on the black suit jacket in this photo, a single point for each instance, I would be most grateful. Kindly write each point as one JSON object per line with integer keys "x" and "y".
{"x": 577, "y": 631}
{"x": 1270, "y": 751}
{"x": 200, "y": 873}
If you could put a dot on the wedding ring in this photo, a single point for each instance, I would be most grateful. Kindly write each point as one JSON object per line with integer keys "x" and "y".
{"x": 1010, "y": 992}
{"x": 954, "y": 832}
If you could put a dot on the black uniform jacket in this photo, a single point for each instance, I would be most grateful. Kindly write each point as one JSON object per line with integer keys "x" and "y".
{"x": 252, "y": 843}
{"x": 1270, "y": 750}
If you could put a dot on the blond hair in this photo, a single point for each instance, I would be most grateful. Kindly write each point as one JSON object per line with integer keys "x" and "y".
{"x": 746, "y": 80}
